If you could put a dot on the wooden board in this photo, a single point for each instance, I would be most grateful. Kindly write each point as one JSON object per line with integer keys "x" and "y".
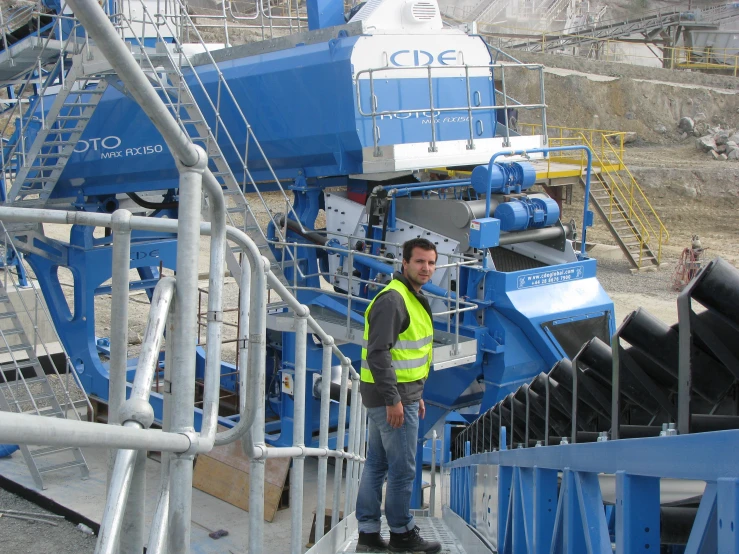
{"x": 224, "y": 473}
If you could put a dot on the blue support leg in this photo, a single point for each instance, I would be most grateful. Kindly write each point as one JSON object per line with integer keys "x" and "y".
{"x": 728, "y": 516}
{"x": 637, "y": 514}
{"x": 594, "y": 524}
{"x": 505, "y": 482}
{"x": 522, "y": 511}
{"x": 573, "y": 536}
{"x": 703, "y": 538}
{"x": 544, "y": 509}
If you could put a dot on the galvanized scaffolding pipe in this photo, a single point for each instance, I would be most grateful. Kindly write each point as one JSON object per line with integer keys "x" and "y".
{"x": 340, "y": 434}
{"x": 51, "y": 431}
{"x": 133, "y": 524}
{"x": 160, "y": 541}
{"x": 246, "y": 370}
{"x": 212, "y": 385}
{"x": 120, "y": 482}
{"x": 323, "y": 438}
{"x": 362, "y": 439}
{"x": 158, "y": 533}
{"x": 298, "y": 469}
{"x": 137, "y": 413}
{"x": 121, "y": 226}
{"x": 120, "y": 222}
{"x": 183, "y": 378}
{"x": 360, "y": 426}
{"x": 353, "y": 419}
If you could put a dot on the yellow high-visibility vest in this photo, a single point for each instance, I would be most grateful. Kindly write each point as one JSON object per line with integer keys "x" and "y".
{"x": 411, "y": 353}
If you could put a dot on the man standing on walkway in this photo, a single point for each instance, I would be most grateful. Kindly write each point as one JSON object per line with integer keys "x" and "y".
{"x": 396, "y": 357}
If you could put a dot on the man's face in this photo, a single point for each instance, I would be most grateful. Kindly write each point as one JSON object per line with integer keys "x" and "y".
{"x": 420, "y": 268}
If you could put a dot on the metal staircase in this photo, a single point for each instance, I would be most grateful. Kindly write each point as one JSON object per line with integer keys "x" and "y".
{"x": 623, "y": 223}
{"x": 34, "y": 171}
{"x": 487, "y": 11}
{"x": 615, "y": 193}
{"x": 166, "y": 66}
{"x": 24, "y": 385}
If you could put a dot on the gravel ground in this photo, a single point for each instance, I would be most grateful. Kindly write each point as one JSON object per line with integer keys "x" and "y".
{"x": 19, "y": 536}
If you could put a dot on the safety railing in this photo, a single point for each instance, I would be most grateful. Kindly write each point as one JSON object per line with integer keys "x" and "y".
{"x": 369, "y": 103}
{"x": 15, "y": 155}
{"x": 628, "y": 191}
{"x": 626, "y": 197}
{"x": 171, "y": 528}
{"x": 273, "y": 18}
{"x": 704, "y": 58}
{"x": 136, "y": 413}
{"x": 453, "y": 306}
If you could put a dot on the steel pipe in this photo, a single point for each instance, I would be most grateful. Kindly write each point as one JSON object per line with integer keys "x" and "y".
{"x": 183, "y": 378}
{"x": 110, "y": 527}
{"x": 340, "y": 436}
{"x": 298, "y": 469}
{"x": 323, "y": 438}
{"x": 51, "y": 431}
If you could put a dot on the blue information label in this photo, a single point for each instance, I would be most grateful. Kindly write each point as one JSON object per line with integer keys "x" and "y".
{"x": 551, "y": 277}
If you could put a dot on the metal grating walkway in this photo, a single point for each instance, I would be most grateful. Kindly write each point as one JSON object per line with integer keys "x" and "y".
{"x": 431, "y": 529}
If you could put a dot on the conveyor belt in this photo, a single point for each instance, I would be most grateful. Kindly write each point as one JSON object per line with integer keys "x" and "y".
{"x": 648, "y": 371}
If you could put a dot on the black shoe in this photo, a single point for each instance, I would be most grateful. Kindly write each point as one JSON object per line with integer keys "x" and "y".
{"x": 371, "y": 542}
{"x": 412, "y": 542}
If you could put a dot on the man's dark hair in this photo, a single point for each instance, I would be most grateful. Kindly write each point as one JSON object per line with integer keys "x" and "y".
{"x": 424, "y": 244}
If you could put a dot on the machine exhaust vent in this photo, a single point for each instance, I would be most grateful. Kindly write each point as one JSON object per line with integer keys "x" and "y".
{"x": 423, "y": 11}
{"x": 416, "y": 15}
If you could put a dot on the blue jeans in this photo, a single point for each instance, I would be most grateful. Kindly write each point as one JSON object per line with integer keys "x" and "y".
{"x": 391, "y": 454}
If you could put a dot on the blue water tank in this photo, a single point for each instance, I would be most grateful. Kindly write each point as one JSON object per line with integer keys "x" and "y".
{"x": 527, "y": 213}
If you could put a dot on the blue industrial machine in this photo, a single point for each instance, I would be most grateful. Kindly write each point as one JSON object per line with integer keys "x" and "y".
{"x": 348, "y": 116}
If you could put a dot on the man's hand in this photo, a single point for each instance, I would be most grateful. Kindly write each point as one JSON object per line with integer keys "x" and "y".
{"x": 421, "y": 408}
{"x": 395, "y": 415}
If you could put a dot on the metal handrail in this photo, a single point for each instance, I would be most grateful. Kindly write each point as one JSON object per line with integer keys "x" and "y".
{"x": 641, "y": 196}
{"x": 432, "y": 110}
{"x": 161, "y": 441}
{"x": 609, "y": 157}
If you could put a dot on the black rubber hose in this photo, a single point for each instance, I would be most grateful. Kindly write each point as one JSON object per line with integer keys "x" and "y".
{"x": 152, "y": 205}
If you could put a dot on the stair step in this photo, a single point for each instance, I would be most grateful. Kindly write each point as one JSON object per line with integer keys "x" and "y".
{"x": 81, "y": 105}
{"x": 86, "y": 91}
{"x": 15, "y": 348}
{"x": 11, "y": 332}
{"x": 63, "y": 465}
{"x": 73, "y": 117}
{"x": 40, "y": 452}
{"x": 23, "y": 364}
{"x": 60, "y": 142}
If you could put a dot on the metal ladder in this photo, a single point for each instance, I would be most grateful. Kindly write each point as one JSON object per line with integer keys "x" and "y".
{"x": 24, "y": 388}
{"x": 624, "y": 229}
{"x": 164, "y": 65}
{"x": 35, "y": 172}
{"x": 239, "y": 212}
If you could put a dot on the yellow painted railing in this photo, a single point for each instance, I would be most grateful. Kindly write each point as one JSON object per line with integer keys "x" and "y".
{"x": 625, "y": 194}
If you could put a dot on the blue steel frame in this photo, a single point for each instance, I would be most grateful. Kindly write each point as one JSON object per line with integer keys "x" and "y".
{"x": 528, "y": 489}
